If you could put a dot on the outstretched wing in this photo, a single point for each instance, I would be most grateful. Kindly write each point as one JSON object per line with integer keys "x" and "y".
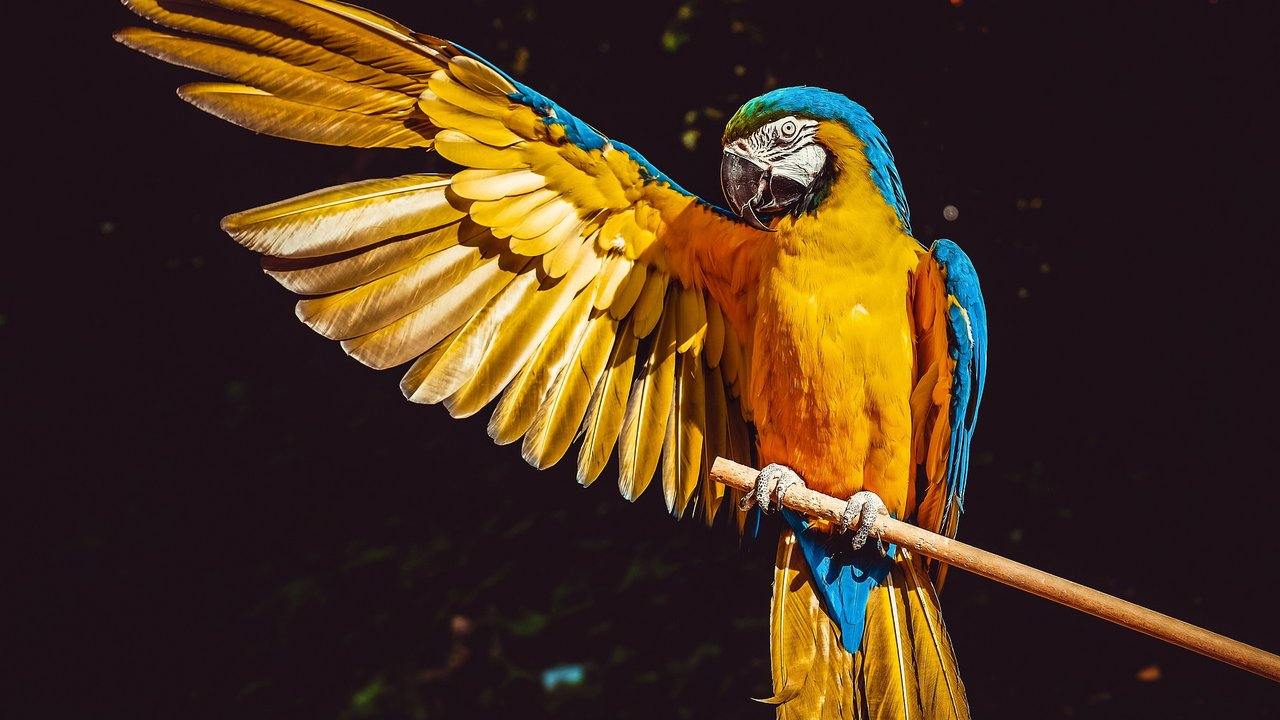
{"x": 951, "y": 357}
{"x": 559, "y": 273}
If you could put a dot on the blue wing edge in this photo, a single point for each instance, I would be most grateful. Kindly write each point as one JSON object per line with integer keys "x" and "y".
{"x": 967, "y": 336}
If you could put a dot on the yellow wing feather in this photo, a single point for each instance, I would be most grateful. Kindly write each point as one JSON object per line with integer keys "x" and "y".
{"x": 645, "y": 423}
{"x": 465, "y": 150}
{"x": 506, "y": 337}
{"x": 344, "y": 218}
{"x": 422, "y": 329}
{"x": 464, "y": 97}
{"x": 715, "y": 440}
{"x": 272, "y": 75}
{"x": 278, "y": 39}
{"x": 608, "y": 406}
{"x": 588, "y": 294}
{"x": 629, "y": 292}
{"x": 500, "y": 215}
{"x": 376, "y": 304}
{"x": 321, "y": 275}
{"x": 682, "y": 461}
{"x": 361, "y": 35}
{"x": 523, "y": 398}
{"x": 556, "y": 424}
{"x": 481, "y": 127}
{"x": 305, "y": 71}
{"x": 265, "y": 113}
{"x": 651, "y": 303}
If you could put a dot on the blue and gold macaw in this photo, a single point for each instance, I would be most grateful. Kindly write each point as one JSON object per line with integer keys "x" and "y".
{"x": 564, "y": 276}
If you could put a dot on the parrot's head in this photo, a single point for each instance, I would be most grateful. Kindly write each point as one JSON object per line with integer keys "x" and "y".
{"x": 784, "y": 150}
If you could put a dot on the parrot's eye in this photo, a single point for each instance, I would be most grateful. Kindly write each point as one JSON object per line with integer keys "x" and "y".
{"x": 788, "y": 130}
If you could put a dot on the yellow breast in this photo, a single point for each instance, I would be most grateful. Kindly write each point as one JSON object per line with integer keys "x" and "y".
{"x": 833, "y": 356}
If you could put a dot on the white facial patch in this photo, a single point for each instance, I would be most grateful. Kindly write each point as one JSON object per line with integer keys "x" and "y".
{"x": 803, "y": 164}
{"x": 782, "y": 137}
{"x": 774, "y": 169}
{"x": 792, "y": 160}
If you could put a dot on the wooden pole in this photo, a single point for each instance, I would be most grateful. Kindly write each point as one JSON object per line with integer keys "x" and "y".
{"x": 1023, "y": 577}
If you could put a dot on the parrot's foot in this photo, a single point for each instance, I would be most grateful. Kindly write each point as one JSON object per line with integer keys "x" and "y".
{"x": 773, "y": 480}
{"x": 864, "y": 507}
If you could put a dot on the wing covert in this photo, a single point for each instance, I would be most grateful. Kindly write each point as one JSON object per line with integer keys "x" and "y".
{"x": 558, "y": 273}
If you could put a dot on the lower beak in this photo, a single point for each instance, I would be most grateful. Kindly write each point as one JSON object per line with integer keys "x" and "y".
{"x": 742, "y": 178}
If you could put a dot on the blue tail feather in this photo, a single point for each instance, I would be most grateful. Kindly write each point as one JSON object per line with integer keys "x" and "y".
{"x": 844, "y": 577}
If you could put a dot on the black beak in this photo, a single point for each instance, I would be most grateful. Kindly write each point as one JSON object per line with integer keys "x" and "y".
{"x": 744, "y": 182}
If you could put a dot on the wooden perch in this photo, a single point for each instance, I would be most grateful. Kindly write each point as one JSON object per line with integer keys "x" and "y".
{"x": 1023, "y": 577}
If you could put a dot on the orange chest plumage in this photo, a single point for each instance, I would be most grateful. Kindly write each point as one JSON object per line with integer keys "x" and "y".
{"x": 834, "y": 357}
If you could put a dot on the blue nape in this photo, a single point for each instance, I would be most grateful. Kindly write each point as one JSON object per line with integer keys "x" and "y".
{"x": 844, "y": 578}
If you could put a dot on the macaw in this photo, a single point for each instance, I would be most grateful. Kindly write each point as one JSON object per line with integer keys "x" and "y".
{"x": 564, "y": 276}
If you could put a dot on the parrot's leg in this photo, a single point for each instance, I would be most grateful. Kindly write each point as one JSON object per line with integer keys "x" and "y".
{"x": 864, "y": 506}
{"x": 773, "y": 480}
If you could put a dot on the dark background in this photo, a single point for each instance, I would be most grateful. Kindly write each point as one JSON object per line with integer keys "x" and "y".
{"x": 214, "y": 513}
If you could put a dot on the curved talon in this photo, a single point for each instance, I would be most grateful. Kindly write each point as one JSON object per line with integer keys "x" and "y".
{"x": 858, "y": 506}
{"x": 788, "y": 481}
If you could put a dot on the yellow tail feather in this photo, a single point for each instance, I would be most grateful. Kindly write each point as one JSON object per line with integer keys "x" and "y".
{"x": 905, "y": 669}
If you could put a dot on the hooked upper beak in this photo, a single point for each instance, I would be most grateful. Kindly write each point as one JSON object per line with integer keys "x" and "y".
{"x": 744, "y": 180}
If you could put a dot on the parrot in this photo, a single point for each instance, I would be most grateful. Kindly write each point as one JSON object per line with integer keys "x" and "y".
{"x": 562, "y": 279}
